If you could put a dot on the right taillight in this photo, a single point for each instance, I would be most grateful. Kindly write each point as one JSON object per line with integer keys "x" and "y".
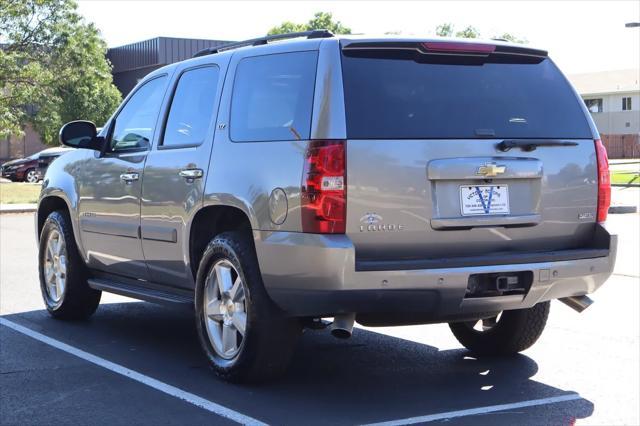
{"x": 323, "y": 188}
{"x": 604, "y": 182}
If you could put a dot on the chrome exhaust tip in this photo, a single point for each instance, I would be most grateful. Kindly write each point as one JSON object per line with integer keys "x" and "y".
{"x": 577, "y": 303}
{"x": 342, "y": 326}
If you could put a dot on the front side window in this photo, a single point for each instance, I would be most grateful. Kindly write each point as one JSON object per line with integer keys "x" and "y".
{"x": 273, "y": 97}
{"x": 626, "y": 104}
{"x": 192, "y": 107}
{"x": 137, "y": 120}
{"x": 593, "y": 105}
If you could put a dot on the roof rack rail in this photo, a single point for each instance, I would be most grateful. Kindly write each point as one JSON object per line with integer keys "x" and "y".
{"x": 264, "y": 40}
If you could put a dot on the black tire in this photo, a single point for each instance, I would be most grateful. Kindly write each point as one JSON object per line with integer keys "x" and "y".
{"x": 269, "y": 337}
{"x": 514, "y": 332}
{"x": 77, "y": 300}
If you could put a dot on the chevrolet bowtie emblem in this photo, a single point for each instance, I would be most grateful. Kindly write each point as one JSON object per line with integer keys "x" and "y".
{"x": 490, "y": 170}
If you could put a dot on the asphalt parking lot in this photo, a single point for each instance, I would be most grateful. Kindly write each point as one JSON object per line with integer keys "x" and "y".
{"x": 138, "y": 363}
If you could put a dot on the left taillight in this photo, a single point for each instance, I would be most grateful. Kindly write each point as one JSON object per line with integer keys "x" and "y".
{"x": 324, "y": 188}
{"x": 604, "y": 182}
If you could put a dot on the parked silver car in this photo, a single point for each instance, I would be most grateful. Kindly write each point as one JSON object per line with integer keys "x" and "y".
{"x": 385, "y": 181}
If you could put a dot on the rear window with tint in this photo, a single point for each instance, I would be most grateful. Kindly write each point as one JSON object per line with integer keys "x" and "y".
{"x": 273, "y": 97}
{"x": 405, "y": 99}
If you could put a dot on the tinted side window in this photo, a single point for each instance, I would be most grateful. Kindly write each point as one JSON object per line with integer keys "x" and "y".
{"x": 137, "y": 120}
{"x": 192, "y": 107}
{"x": 273, "y": 97}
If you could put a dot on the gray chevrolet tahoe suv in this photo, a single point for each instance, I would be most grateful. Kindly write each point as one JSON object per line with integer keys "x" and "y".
{"x": 394, "y": 181}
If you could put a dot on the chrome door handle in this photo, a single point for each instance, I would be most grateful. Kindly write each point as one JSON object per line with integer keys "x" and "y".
{"x": 129, "y": 177}
{"x": 191, "y": 174}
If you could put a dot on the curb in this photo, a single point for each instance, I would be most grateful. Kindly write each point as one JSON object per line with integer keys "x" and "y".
{"x": 9, "y": 210}
{"x": 623, "y": 209}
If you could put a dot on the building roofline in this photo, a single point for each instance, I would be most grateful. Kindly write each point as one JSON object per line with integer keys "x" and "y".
{"x": 166, "y": 38}
{"x": 611, "y": 92}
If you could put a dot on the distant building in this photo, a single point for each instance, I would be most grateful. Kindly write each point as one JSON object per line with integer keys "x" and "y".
{"x": 613, "y": 98}
{"x": 133, "y": 61}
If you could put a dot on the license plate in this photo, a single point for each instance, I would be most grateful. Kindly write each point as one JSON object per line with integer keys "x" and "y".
{"x": 482, "y": 200}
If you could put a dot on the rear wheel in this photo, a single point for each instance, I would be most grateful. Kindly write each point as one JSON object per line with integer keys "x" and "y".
{"x": 507, "y": 333}
{"x": 31, "y": 176}
{"x": 245, "y": 337}
{"x": 63, "y": 274}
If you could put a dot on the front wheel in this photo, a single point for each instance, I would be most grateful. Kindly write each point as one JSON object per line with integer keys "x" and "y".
{"x": 245, "y": 337}
{"x": 507, "y": 333}
{"x": 63, "y": 274}
{"x": 31, "y": 176}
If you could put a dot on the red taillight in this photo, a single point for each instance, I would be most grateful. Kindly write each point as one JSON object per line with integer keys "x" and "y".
{"x": 604, "y": 182}
{"x": 458, "y": 47}
{"x": 324, "y": 190}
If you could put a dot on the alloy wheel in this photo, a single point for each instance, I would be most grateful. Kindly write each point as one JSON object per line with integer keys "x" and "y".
{"x": 225, "y": 309}
{"x": 55, "y": 266}
{"x": 32, "y": 176}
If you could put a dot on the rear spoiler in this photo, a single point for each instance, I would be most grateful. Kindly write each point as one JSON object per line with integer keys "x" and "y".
{"x": 445, "y": 48}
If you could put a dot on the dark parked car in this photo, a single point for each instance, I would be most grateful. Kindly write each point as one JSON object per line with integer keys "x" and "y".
{"x": 32, "y": 168}
{"x": 387, "y": 181}
{"x": 22, "y": 169}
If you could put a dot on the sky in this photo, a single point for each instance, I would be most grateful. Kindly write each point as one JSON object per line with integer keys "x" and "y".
{"x": 581, "y": 36}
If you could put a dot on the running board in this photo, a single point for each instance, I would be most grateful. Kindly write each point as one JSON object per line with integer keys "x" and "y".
{"x": 144, "y": 292}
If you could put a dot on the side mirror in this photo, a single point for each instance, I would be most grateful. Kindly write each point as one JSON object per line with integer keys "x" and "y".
{"x": 81, "y": 134}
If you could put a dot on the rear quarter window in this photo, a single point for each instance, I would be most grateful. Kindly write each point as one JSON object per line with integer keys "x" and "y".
{"x": 273, "y": 97}
{"x": 406, "y": 99}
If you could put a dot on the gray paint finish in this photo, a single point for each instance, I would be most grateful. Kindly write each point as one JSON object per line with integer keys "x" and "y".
{"x": 170, "y": 201}
{"x": 319, "y": 274}
{"x": 328, "y": 103}
{"x": 112, "y": 209}
{"x": 417, "y": 194}
{"x": 410, "y": 184}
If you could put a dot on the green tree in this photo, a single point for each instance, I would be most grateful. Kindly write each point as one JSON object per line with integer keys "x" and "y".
{"x": 469, "y": 32}
{"x": 444, "y": 30}
{"x": 447, "y": 29}
{"x": 321, "y": 20}
{"x": 512, "y": 38}
{"x": 287, "y": 27}
{"x": 52, "y": 68}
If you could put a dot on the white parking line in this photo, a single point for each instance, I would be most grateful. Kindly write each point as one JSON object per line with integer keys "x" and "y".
{"x": 134, "y": 375}
{"x": 479, "y": 410}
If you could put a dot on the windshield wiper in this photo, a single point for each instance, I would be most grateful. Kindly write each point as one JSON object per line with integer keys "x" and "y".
{"x": 530, "y": 145}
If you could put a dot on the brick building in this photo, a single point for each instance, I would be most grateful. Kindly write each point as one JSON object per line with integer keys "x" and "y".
{"x": 21, "y": 146}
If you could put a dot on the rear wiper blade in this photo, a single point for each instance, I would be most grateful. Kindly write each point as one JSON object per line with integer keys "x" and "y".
{"x": 530, "y": 145}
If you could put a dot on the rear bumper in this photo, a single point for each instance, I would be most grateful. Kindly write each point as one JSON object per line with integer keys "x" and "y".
{"x": 316, "y": 275}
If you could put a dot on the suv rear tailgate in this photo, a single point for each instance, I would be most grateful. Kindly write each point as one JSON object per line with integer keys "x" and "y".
{"x": 400, "y": 205}
{"x": 427, "y": 176}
